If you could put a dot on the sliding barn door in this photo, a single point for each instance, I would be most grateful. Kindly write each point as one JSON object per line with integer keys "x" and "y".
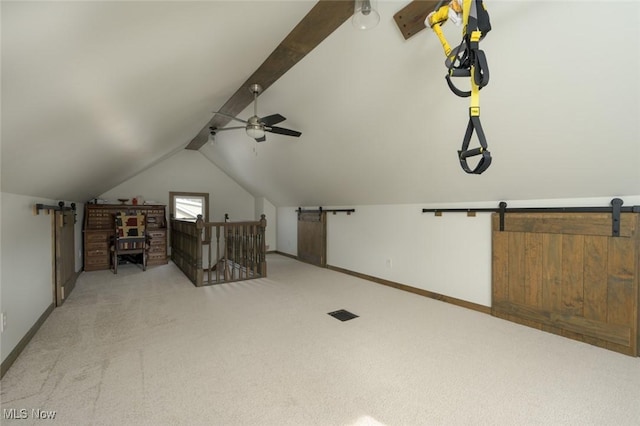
{"x": 64, "y": 261}
{"x": 312, "y": 238}
{"x": 564, "y": 273}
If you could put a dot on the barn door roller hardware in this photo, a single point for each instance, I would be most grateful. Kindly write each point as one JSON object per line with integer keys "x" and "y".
{"x": 59, "y": 207}
{"x": 320, "y": 210}
{"x": 616, "y": 209}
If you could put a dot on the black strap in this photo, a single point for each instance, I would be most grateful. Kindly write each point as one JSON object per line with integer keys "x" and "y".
{"x": 454, "y": 89}
{"x": 481, "y": 69}
{"x": 461, "y": 67}
{"x": 464, "y": 153}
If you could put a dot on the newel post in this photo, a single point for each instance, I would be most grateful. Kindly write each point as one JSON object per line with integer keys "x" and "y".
{"x": 199, "y": 228}
{"x": 263, "y": 246}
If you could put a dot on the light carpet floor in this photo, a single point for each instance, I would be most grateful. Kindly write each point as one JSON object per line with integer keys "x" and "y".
{"x": 148, "y": 348}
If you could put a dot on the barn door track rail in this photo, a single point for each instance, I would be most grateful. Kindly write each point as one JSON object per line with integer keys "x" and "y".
{"x": 320, "y": 210}
{"x": 615, "y": 209}
{"x": 59, "y": 207}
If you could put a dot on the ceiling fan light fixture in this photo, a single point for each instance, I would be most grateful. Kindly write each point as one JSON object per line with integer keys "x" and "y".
{"x": 365, "y": 14}
{"x": 255, "y": 131}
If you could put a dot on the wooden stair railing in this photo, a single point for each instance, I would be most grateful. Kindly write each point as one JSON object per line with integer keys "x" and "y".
{"x": 239, "y": 250}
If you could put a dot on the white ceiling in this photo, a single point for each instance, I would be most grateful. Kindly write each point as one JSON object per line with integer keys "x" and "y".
{"x": 95, "y": 92}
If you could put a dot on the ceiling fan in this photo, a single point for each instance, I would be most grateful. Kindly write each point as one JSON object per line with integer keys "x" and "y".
{"x": 257, "y": 126}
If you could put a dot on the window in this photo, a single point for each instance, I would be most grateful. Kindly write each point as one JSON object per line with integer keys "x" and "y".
{"x": 188, "y": 208}
{"x": 188, "y": 205}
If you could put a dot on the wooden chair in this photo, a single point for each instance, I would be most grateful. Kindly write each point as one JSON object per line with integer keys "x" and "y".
{"x": 130, "y": 239}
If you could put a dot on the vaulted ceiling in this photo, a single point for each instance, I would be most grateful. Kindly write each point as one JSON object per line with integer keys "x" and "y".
{"x": 95, "y": 92}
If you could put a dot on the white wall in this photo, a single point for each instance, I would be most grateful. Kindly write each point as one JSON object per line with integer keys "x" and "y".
{"x": 450, "y": 255}
{"x": 287, "y": 237}
{"x": 26, "y": 280}
{"x": 189, "y": 171}
{"x": 265, "y": 207}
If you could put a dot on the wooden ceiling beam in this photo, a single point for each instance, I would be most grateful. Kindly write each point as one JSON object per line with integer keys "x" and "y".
{"x": 323, "y": 19}
{"x": 410, "y": 19}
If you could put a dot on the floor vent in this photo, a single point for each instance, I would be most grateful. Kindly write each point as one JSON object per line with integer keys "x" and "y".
{"x": 343, "y": 315}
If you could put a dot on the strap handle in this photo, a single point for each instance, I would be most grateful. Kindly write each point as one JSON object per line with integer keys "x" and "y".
{"x": 477, "y": 61}
{"x": 464, "y": 153}
{"x": 481, "y": 74}
{"x": 454, "y": 89}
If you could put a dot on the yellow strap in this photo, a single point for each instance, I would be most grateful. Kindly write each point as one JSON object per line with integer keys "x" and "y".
{"x": 440, "y": 16}
{"x": 435, "y": 21}
{"x": 445, "y": 44}
{"x": 474, "y": 104}
{"x": 466, "y": 10}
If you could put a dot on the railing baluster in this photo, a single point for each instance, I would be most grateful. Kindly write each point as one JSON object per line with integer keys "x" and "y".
{"x": 243, "y": 254}
{"x": 232, "y": 249}
{"x": 217, "y": 254}
{"x": 244, "y": 251}
{"x": 254, "y": 245}
{"x": 253, "y": 250}
{"x": 263, "y": 248}
{"x": 236, "y": 253}
{"x": 198, "y": 244}
{"x": 226, "y": 253}
{"x": 209, "y": 262}
{"x": 241, "y": 250}
{"x": 249, "y": 243}
{"x": 229, "y": 233}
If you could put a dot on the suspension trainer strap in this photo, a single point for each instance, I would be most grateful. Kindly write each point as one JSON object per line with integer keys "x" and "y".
{"x": 467, "y": 60}
{"x": 478, "y": 78}
{"x": 472, "y": 62}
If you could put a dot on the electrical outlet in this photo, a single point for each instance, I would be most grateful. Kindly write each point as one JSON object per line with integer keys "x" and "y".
{"x": 389, "y": 263}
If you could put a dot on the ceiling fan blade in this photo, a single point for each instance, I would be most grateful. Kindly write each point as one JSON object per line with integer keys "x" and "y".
{"x": 270, "y": 120}
{"x": 230, "y": 116}
{"x": 262, "y": 139}
{"x": 323, "y": 18}
{"x": 230, "y": 128}
{"x": 282, "y": 131}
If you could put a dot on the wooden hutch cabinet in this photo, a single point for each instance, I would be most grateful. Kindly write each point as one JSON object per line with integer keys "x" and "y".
{"x": 99, "y": 229}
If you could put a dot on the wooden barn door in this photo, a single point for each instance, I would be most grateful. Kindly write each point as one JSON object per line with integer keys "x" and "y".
{"x": 64, "y": 261}
{"x": 312, "y": 237}
{"x": 564, "y": 273}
